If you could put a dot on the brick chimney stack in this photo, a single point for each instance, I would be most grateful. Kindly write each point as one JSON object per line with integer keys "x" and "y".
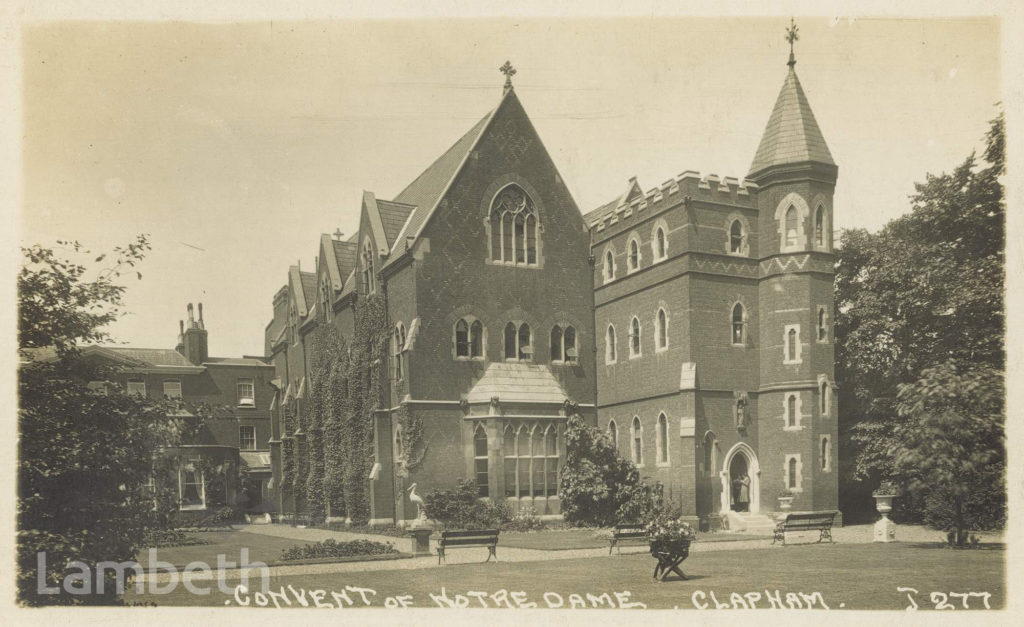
{"x": 196, "y": 343}
{"x": 180, "y": 346}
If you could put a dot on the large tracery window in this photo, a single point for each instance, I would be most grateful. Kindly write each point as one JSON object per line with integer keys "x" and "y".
{"x": 530, "y": 459}
{"x": 480, "y": 460}
{"x": 515, "y": 228}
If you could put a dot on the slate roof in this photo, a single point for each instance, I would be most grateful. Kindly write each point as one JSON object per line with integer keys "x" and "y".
{"x": 426, "y": 190}
{"x": 517, "y": 382}
{"x": 600, "y": 212}
{"x": 309, "y": 289}
{"x": 345, "y": 252}
{"x": 153, "y": 356}
{"x": 236, "y": 361}
{"x": 393, "y": 215}
{"x": 792, "y": 134}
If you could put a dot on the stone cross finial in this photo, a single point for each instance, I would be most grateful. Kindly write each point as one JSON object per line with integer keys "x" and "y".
{"x": 792, "y": 35}
{"x": 338, "y": 234}
{"x": 509, "y": 72}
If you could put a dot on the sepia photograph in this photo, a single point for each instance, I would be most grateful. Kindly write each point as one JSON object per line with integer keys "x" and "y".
{"x": 510, "y": 311}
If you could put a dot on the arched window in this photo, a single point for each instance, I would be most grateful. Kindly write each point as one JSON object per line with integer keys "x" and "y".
{"x": 791, "y": 411}
{"x": 398, "y": 349}
{"x": 638, "y": 442}
{"x": 662, "y": 438}
{"x": 791, "y": 344}
{"x": 609, "y": 266}
{"x": 613, "y": 434}
{"x": 569, "y": 339}
{"x": 634, "y": 338}
{"x": 661, "y": 333}
{"x": 791, "y": 226}
{"x": 660, "y": 248}
{"x": 480, "y": 460}
{"x": 709, "y": 453}
{"x": 509, "y": 459}
{"x": 822, "y": 330}
{"x": 819, "y": 226}
{"x": 325, "y": 299}
{"x": 398, "y": 444}
{"x": 537, "y": 461}
{"x": 525, "y": 345}
{"x": 824, "y": 453}
{"x": 791, "y": 474}
{"x": 515, "y": 227}
{"x": 609, "y": 345}
{"x": 523, "y": 467}
{"x": 293, "y": 322}
{"x": 551, "y": 461}
{"x": 736, "y": 237}
{"x": 823, "y": 395}
{"x": 511, "y": 350}
{"x": 634, "y": 255}
{"x": 556, "y": 343}
{"x": 369, "y": 279}
{"x": 476, "y": 339}
{"x": 739, "y": 325}
{"x": 461, "y": 339}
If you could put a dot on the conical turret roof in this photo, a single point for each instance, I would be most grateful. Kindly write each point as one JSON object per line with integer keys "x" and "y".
{"x": 792, "y": 134}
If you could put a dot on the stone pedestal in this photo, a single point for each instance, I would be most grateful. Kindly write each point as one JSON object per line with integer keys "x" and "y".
{"x": 421, "y": 540}
{"x": 885, "y": 529}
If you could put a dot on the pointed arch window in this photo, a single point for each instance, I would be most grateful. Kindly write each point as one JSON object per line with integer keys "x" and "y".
{"x": 609, "y": 266}
{"x": 825, "y": 454}
{"x": 480, "y": 460}
{"x": 325, "y": 299}
{"x": 551, "y": 461}
{"x": 515, "y": 227}
{"x": 736, "y": 237}
{"x": 634, "y": 338}
{"x": 461, "y": 338}
{"x": 398, "y": 350}
{"x": 662, "y": 438}
{"x": 523, "y": 466}
{"x": 791, "y": 344}
{"x": 476, "y": 339}
{"x": 791, "y": 341}
{"x": 398, "y": 444}
{"x": 511, "y": 342}
{"x": 819, "y": 226}
{"x": 792, "y": 411}
{"x": 822, "y": 328}
{"x": 823, "y": 397}
{"x": 563, "y": 344}
{"x": 509, "y": 454}
{"x": 518, "y": 342}
{"x": 637, "y": 447}
{"x": 792, "y": 474}
{"x": 634, "y": 255}
{"x": 660, "y": 243}
{"x": 525, "y": 345}
{"x": 791, "y": 226}
{"x": 609, "y": 345}
{"x": 709, "y": 453}
{"x": 613, "y": 434}
{"x": 661, "y": 332}
{"x": 739, "y": 324}
{"x": 369, "y": 278}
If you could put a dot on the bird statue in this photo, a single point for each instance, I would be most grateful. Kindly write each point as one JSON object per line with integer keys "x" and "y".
{"x": 421, "y": 514}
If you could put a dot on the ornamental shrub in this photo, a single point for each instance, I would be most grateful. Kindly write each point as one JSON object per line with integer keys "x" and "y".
{"x": 595, "y": 482}
{"x": 460, "y": 508}
{"x": 526, "y": 519}
{"x": 331, "y": 548}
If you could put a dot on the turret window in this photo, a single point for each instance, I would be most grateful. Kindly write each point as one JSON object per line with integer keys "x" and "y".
{"x": 791, "y": 344}
{"x": 819, "y": 227}
{"x": 609, "y": 346}
{"x": 792, "y": 407}
{"x": 661, "y": 330}
{"x": 736, "y": 237}
{"x": 739, "y": 324}
{"x": 822, "y": 325}
{"x": 791, "y": 227}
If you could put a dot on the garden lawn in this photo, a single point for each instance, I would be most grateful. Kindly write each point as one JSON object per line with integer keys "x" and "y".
{"x": 851, "y": 576}
{"x": 567, "y": 539}
{"x": 262, "y": 548}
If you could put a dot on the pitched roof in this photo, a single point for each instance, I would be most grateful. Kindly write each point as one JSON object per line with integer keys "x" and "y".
{"x": 426, "y": 190}
{"x": 792, "y": 134}
{"x": 393, "y": 216}
{"x": 346, "y": 254}
{"x": 236, "y": 361}
{"x": 632, "y": 191}
{"x": 152, "y": 356}
{"x": 331, "y": 261}
{"x": 600, "y": 212}
{"x": 517, "y": 382}
{"x": 309, "y": 288}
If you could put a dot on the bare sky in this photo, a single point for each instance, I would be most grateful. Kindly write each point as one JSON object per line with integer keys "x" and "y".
{"x": 236, "y": 145}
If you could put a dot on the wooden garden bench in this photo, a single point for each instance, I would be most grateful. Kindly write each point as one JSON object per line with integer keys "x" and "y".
{"x": 805, "y": 521}
{"x": 627, "y": 532}
{"x": 476, "y": 537}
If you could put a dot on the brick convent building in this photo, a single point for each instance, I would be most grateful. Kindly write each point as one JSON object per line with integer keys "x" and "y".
{"x": 691, "y": 321}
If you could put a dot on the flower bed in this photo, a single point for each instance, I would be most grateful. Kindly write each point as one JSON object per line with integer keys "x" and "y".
{"x": 330, "y": 548}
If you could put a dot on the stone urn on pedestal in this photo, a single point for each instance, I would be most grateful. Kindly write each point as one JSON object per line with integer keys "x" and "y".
{"x": 885, "y": 529}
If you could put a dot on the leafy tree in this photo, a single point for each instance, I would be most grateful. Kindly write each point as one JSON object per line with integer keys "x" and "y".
{"x": 596, "y": 483}
{"x": 85, "y": 455}
{"x": 924, "y": 292}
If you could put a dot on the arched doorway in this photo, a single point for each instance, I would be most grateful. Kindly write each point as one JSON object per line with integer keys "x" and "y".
{"x": 739, "y": 460}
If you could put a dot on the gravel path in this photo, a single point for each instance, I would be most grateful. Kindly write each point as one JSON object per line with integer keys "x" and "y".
{"x": 843, "y": 535}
